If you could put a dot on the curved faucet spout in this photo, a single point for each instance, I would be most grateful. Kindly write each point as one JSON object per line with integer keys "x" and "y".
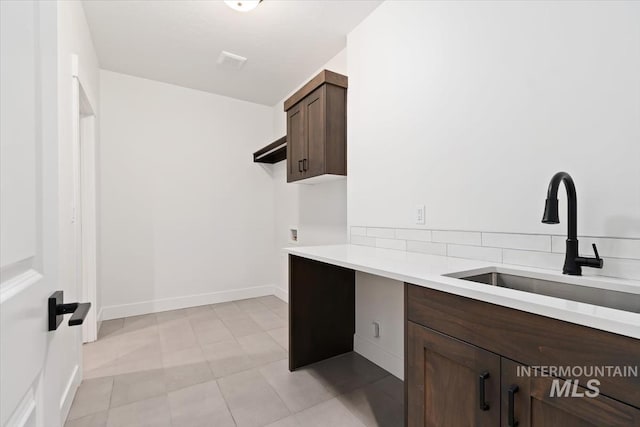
{"x": 550, "y": 215}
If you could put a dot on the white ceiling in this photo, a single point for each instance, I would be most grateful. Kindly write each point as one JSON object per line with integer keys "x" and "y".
{"x": 179, "y": 42}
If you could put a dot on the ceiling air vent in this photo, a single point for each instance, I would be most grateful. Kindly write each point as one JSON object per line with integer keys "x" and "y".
{"x": 231, "y": 60}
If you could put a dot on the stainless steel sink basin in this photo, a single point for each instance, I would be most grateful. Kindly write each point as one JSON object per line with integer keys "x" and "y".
{"x": 602, "y": 297}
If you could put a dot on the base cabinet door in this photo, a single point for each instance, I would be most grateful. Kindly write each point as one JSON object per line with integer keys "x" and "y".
{"x": 450, "y": 382}
{"x": 529, "y": 402}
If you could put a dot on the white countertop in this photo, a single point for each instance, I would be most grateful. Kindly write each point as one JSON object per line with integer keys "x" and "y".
{"x": 428, "y": 270}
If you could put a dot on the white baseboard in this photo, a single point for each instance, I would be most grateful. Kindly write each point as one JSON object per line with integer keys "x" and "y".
{"x": 165, "y": 304}
{"x": 379, "y": 355}
{"x": 69, "y": 393}
{"x": 99, "y": 320}
{"x": 281, "y": 293}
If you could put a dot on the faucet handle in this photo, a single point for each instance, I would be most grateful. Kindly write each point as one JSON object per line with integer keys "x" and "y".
{"x": 596, "y": 262}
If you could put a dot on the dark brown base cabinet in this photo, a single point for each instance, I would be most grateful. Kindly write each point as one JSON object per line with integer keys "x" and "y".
{"x": 460, "y": 368}
{"x": 462, "y": 356}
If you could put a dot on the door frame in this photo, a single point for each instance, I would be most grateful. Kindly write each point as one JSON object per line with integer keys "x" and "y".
{"x": 84, "y": 198}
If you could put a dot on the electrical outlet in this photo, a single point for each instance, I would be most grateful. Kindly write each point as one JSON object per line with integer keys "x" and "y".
{"x": 420, "y": 214}
{"x": 376, "y": 329}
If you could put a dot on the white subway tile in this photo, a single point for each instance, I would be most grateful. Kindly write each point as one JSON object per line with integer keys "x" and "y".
{"x": 530, "y": 242}
{"x": 413, "y": 234}
{"x": 400, "y": 245}
{"x": 363, "y": 240}
{"x": 358, "y": 231}
{"x": 607, "y": 247}
{"x": 616, "y": 267}
{"x": 457, "y": 237}
{"x": 557, "y": 244}
{"x": 386, "y": 233}
{"x": 427, "y": 247}
{"x": 546, "y": 260}
{"x": 475, "y": 252}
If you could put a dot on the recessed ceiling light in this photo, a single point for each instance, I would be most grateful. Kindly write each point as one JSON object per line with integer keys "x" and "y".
{"x": 242, "y": 5}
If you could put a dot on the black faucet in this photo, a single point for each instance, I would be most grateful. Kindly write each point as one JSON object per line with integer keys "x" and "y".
{"x": 573, "y": 263}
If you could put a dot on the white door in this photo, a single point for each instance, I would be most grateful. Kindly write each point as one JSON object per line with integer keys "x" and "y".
{"x": 31, "y": 389}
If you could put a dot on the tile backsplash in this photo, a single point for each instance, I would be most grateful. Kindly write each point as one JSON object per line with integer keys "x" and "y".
{"x": 621, "y": 256}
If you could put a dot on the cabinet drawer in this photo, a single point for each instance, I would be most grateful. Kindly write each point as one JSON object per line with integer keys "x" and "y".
{"x": 531, "y": 339}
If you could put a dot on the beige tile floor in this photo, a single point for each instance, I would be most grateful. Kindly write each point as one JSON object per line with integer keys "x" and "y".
{"x": 224, "y": 365}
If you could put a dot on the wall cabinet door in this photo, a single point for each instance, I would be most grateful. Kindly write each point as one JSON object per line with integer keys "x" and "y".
{"x": 450, "y": 382}
{"x": 314, "y": 116}
{"x": 526, "y": 402}
{"x": 295, "y": 143}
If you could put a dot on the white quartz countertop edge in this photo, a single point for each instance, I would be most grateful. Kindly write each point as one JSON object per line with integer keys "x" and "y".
{"x": 429, "y": 270}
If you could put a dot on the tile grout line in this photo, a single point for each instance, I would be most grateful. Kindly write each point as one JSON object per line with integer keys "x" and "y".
{"x": 501, "y": 232}
{"x": 257, "y": 368}
{"x": 226, "y": 404}
{"x": 277, "y": 394}
{"x": 483, "y": 245}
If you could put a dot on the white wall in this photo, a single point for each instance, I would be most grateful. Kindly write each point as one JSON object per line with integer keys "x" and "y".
{"x": 318, "y": 211}
{"x": 470, "y": 108}
{"x": 142, "y": 116}
{"x": 380, "y": 300}
{"x": 73, "y": 38}
{"x": 338, "y": 64}
{"x": 186, "y": 216}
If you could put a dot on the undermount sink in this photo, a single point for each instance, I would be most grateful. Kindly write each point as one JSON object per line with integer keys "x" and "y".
{"x": 626, "y": 301}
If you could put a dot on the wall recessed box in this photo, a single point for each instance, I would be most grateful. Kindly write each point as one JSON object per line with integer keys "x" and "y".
{"x": 317, "y": 129}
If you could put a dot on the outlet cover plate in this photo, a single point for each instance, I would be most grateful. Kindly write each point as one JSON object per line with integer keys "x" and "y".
{"x": 420, "y": 214}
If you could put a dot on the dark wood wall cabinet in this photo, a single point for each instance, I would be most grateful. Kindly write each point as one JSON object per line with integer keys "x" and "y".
{"x": 317, "y": 128}
{"x": 464, "y": 361}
